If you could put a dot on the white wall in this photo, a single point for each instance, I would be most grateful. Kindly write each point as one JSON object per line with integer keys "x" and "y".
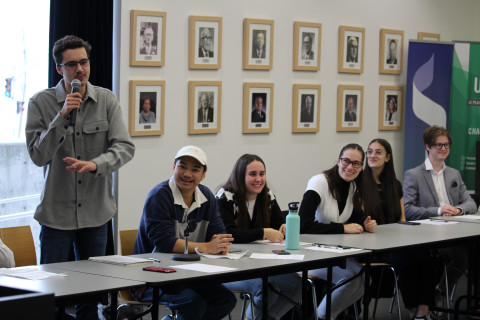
{"x": 291, "y": 159}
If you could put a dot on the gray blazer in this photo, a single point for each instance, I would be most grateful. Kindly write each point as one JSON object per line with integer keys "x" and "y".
{"x": 421, "y": 200}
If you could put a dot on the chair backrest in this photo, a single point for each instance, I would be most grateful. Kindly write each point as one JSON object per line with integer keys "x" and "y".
{"x": 20, "y": 241}
{"x": 127, "y": 241}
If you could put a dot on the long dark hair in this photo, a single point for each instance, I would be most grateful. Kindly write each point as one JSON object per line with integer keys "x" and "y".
{"x": 333, "y": 178}
{"x": 388, "y": 179}
{"x": 236, "y": 185}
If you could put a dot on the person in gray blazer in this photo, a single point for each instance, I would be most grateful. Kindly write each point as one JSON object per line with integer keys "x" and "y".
{"x": 434, "y": 189}
{"x": 420, "y": 184}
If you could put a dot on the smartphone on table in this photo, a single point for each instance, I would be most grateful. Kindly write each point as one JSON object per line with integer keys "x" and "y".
{"x": 159, "y": 269}
{"x": 410, "y": 223}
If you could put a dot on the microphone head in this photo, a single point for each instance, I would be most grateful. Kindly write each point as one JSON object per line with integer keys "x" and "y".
{"x": 76, "y": 84}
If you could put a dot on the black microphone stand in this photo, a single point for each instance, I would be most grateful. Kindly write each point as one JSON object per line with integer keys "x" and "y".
{"x": 185, "y": 256}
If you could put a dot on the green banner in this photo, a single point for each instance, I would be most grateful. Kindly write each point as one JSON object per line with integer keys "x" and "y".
{"x": 464, "y": 120}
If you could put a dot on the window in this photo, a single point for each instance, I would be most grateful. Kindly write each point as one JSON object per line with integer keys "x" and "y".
{"x": 23, "y": 71}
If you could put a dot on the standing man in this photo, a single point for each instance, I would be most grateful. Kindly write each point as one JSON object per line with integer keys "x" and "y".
{"x": 350, "y": 115}
{"x": 168, "y": 208}
{"x": 78, "y": 157}
{"x": 434, "y": 189}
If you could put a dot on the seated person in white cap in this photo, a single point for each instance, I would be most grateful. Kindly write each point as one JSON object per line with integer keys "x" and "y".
{"x": 168, "y": 208}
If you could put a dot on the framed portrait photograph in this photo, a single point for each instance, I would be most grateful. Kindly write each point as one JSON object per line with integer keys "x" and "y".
{"x": 205, "y": 43}
{"x": 257, "y": 107}
{"x": 428, "y": 36}
{"x": 307, "y": 38}
{"x": 257, "y": 44}
{"x": 349, "y": 108}
{"x": 306, "y": 108}
{"x": 351, "y": 48}
{"x": 204, "y": 106}
{"x": 391, "y": 51}
{"x": 390, "y": 108}
{"x": 147, "y": 108}
{"x": 147, "y": 38}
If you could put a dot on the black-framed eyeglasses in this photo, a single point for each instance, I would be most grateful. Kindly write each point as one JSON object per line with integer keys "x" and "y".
{"x": 439, "y": 146}
{"x": 376, "y": 152}
{"x": 73, "y": 64}
{"x": 346, "y": 162}
{"x": 205, "y": 38}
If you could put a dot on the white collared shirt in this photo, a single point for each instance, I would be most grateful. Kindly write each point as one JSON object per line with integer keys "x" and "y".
{"x": 199, "y": 198}
{"x": 439, "y": 183}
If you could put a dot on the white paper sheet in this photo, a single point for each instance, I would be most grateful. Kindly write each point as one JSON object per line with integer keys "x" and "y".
{"x": 468, "y": 217}
{"x": 233, "y": 256}
{"x": 202, "y": 267}
{"x": 279, "y": 243}
{"x": 273, "y": 256}
{"x": 119, "y": 260}
{"x": 30, "y": 273}
{"x": 333, "y": 249}
{"x": 436, "y": 222}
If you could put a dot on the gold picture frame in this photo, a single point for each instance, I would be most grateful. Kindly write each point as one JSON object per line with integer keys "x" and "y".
{"x": 205, "y": 42}
{"x": 306, "y": 107}
{"x": 349, "y": 108}
{"x": 351, "y": 49}
{"x": 390, "y": 108}
{"x": 204, "y": 107}
{"x": 428, "y": 36}
{"x": 391, "y": 41}
{"x": 307, "y": 41}
{"x": 147, "y": 38}
{"x": 257, "y": 107}
{"x": 257, "y": 44}
{"x": 146, "y": 95}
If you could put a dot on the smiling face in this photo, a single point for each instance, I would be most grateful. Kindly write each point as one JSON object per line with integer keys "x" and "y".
{"x": 188, "y": 172}
{"x": 146, "y": 105}
{"x": 377, "y": 156}
{"x": 79, "y": 72}
{"x": 435, "y": 155}
{"x": 255, "y": 177}
{"x": 349, "y": 173}
{"x": 391, "y": 105}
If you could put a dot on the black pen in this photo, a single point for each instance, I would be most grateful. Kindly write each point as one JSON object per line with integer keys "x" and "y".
{"x": 326, "y": 246}
{"x": 154, "y": 260}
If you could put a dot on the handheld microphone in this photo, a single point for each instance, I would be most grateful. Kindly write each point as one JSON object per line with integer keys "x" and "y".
{"x": 76, "y": 84}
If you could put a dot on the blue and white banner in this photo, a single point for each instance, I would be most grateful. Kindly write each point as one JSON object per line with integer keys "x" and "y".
{"x": 427, "y": 101}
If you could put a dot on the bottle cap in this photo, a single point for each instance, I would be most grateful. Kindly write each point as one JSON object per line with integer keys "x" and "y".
{"x": 293, "y": 206}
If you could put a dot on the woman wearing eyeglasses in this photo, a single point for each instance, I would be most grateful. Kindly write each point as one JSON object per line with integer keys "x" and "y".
{"x": 332, "y": 203}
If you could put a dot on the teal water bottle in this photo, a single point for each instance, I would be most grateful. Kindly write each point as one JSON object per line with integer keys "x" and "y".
{"x": 292, "y": 236}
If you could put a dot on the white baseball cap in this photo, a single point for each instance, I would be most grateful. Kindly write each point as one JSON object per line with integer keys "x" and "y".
{"x": 194, "y": 152}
